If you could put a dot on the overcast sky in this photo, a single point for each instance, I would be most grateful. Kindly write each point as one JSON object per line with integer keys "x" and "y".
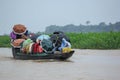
{"x": 37, "y": 14}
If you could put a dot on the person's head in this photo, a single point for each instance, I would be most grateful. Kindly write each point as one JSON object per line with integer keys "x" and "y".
{"x": 24, "y": 36}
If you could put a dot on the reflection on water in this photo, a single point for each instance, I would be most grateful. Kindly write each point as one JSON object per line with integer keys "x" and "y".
{"x": 78, "y": 67}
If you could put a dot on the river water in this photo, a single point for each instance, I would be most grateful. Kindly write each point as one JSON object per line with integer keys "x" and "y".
{"x": 83, "y": 65}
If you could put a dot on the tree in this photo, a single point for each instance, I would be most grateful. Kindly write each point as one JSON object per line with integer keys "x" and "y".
{"x": 87, "y": 22}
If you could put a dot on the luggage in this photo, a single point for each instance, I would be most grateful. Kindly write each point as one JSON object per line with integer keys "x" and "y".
{"x": 47, "y": 44}
{"x": 17, "y": 42}
{"x": 66, "y": 50}
{"x": 27, "y": 42}
{"x": 41, "y": 37}
{"x": 36, "y": 48}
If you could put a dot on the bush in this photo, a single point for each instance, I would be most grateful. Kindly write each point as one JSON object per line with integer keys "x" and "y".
{"x": 4, "y": 41}
{"x": 104, "y": 40}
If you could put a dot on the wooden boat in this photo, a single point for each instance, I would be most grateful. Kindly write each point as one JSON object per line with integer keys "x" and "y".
{"x": 17, "y": 54}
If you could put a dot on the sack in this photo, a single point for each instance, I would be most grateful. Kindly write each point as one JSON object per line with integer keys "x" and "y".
{"x": 28, "y": 48}
{"x": 66, "y": 50}
{"x": 17, "y": 42}
{"x": 47, "y": 44}
{"x": 27, "y": 42}
{"x": 36, "y": 48}
{"x": 31, "y": 47}
{"x": 43, "y": 36}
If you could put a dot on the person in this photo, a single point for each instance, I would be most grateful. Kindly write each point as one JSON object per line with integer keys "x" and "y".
{"x": 56, "y": 39}
{"x": 64, "y": 44}
{"x": 19, "y": 31}
{"x": 18, "y": 35}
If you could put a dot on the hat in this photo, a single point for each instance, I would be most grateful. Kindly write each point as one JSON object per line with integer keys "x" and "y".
{"x": 19, "y": 29}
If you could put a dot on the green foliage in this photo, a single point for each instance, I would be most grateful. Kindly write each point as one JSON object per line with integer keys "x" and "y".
{"x": 4, "y": 41}
{"x": 104, "y": 40}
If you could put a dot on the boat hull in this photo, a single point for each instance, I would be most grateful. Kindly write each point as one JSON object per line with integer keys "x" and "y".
{"x": 17, "y": 54}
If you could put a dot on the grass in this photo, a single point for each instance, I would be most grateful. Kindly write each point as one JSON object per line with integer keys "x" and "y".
{"x": 104, "y": 40}
{"x": 4, "y": 41}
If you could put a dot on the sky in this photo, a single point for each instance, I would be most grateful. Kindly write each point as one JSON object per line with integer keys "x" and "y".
{"x": 36, "y": 15}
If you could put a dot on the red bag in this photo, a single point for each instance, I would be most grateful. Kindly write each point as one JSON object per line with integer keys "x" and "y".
{"x": 40, "y": 49}
{"x": 37, "y": 48}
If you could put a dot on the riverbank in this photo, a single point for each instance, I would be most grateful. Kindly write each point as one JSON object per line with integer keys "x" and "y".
{"x": 92, "y": 40}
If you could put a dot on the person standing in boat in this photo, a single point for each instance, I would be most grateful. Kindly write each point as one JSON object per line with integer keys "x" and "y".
{"x": 19, "y": 32}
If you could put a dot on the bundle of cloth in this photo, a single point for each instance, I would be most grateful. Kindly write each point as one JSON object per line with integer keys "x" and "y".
{"x": 41, "y": 44}
{"x": 29, "y": 46}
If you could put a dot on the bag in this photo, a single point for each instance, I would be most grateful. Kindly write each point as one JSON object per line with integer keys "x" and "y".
{"x": 27, "y": 42}
{"x": 17, "y": 42}
{"x": 47, "y": 44}
{"x": 36, "y": 48}
{"x": 27, "y": 49}
{"x": 66, "y": 50}
{"x": 43, "y": 36}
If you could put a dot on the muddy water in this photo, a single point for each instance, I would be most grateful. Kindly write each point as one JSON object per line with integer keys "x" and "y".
{"x": 83, "y": 65}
